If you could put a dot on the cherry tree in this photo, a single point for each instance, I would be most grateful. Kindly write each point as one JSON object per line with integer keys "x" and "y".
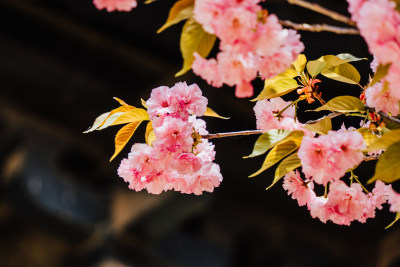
{"x": 254, "y": 44}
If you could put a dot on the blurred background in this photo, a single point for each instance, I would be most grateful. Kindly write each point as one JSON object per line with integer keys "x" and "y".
{"x": 62, "y": 202}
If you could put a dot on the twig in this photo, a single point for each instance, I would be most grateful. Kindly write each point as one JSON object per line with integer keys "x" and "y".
{"x": 319, "y": 28}
{"x": 221, "y": 135}
{"x": 323, "y": 10}
{"x": 386, "y": 116}
{"x": 330, "y": 115}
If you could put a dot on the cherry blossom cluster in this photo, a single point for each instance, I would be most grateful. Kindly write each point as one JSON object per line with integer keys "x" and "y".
{"x": 379, "y": 24}
{"x": 178, "y": 159}
{"x": 112, "y": 5}
{"x": 325, "y": 160}
{"x": 251, "y": 42}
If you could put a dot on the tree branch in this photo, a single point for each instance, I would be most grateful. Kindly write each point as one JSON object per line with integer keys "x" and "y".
{"x": 322, "y": 10}
{"x": 221, "y": 135}
{"x": 384, "y": 115}
{"x": 319, "y": 28}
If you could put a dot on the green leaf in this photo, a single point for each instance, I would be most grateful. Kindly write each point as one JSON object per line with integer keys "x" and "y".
{"x": 395, "y": 220}
{"x": 277, "y": 153}
{"x": 380, "y": 73}
{"x": 385, "y": 141}
{"x": 267, "y": 140}
{"x": 288, "y": 164}
{"x": 181, "y": 10}
{"x": 194, "y": 39}
{"x": 343, "y": 104}
{"x": 368, "y": 136}
{"x": 344, "y": 73}
{"x": 211, "y": 113}
{"x": 300, "y": 63}
{"x": 315, "y": 67}
{"x": 388, "y": 167}
{"x": 321, "y": 127}
{"x": 277, "y": 88}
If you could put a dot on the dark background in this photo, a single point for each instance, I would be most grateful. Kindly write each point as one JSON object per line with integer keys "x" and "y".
{"x": 61, "y": 201}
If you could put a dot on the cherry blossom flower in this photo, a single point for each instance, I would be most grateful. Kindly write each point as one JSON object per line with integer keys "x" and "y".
{"x": 394, "y": 201}
{"x": 112, "y": 5}
{"x": 189, "y": 99}
{"x": 382, "y": 101}
{"x": 298, "y": 188}
{"x": 266, "y": 110}
{"x": 328, "y": 157}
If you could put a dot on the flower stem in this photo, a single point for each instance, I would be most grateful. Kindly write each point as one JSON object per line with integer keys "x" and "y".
{"x": 230, "y": 134}
{"x": 322, "y": 10}
{"x": 319, "y": 28}
{"x": 358, "y": 181}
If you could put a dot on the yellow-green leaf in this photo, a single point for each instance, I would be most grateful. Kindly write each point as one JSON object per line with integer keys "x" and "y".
{"x": 343, "y": 104}
{"x": 380, "y": 73}
{"x": 315, "y": 67}
{"x": 104, "y": 121}
{"x": 143, "y": 102}
{"x": 385, "y": 141}
{"x": 277, "y": 88}
{"x": 149, "y": 135}
{"x": 211, "y": 113}
{"x": 321, "y": 127}
{"x": 120, "y": 101}
{"x": 267, "y": 140}
{"x": 278, "y": 152}
{"x": 300, "y": 63}
{"x": 344, "y": 73}
{"x": 395, "y": 220}
{"x": 349, "y": 57}
{"x": 388, "y": 166}
{"x": 134, "y": 115}
{"x": 123, "y": 136}
{"x": 98, "y": 121}
{"x": 181, "y": 10}
{"x": 288, "y": 164}
{"x": 194, "y": 39}
{"x": 368, "y": 136}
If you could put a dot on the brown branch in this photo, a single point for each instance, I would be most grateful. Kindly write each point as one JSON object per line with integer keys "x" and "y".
{"x": 385, "y": 115}
{"x": 319, "y": 28}
{"x": 330, "y": 115}
{"x": 221, "y": 135}
{"x": 322, "y": 10}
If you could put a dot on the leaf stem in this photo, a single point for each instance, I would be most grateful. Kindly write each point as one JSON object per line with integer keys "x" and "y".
{"x": 322, "y": 10}
{"x": 317, "y": 96}
{"x": 319, "y": 28}
{"x": 230, "y": 134}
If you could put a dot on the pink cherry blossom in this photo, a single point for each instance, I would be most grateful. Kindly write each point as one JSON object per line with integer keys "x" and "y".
{"x": 186, "y": 163}
{"x": 189, "y": 99}
{"x": 206, "y": 179}
{"x": 382, "y": 101}
{"x": 298, "y": 188}
{"x": 266, "y": 110}
{"x": 162, "y": 101}
{"x": 174, "y": 134}
{"x": 112, "y": 5}
{"x": 328, "y": 157}
{"x": 382, "y": 38}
